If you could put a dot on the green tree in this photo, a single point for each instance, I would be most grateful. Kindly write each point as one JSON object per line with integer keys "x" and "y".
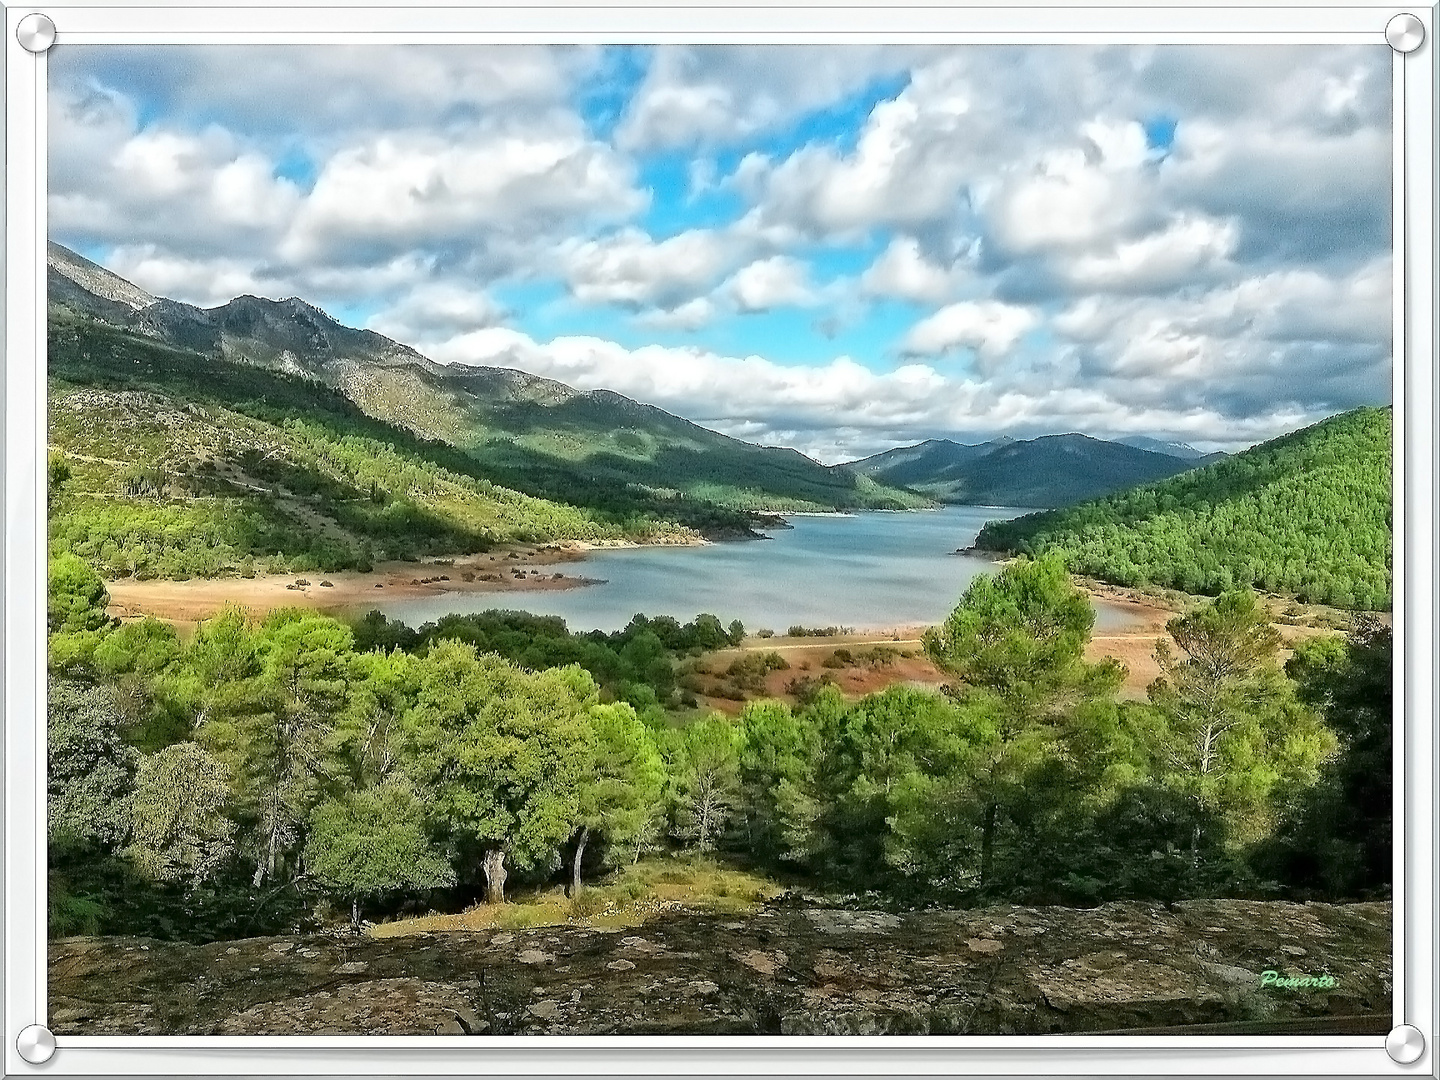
{"x": 777, "y": 774}
{"x": 1016, "y": 642}
{"x": 1335, "y": 838}
{"x": 90, "y": 771}
{"x": 1228, "y": 729}
{"x": 1308, "y": 514}
{"x": 367, "y": 844}
{"x": 239, "y": 715}
{"x": 78, "y": 597}
{"x": 181, "y": 832}
{"x": 880, "y": 751}
{"x": 366, "y": 741}
{"x": 500, "y": 754}
{"x": 286, "y": 719}
{"x": 622, "y": 784}
{"x": 705, "y": 778}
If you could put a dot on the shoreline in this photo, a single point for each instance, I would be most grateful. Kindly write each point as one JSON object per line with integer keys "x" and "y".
{"x": 506, "y": 570}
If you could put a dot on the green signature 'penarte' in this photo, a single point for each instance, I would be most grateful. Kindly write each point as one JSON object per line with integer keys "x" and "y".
{"x": 1297, "y": 982}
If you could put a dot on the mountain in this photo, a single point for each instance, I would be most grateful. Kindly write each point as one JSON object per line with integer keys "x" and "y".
{"x": 533, "y": 434}
{"x": 1306, "y": 515}
{"x": 1053, "y": 470}
{"x": 167, "y": 463}
{"x": 925, "y": 462}
{"x": 1161, "y": 446}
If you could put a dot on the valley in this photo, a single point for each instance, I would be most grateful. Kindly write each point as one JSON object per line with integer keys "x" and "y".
{"x": 361, "y": 653}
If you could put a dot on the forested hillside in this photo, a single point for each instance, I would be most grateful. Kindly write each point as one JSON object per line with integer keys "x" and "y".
{"x": 530, "y": 433}
{"x": 1306, "y": 515}
{"x": 167, "y": 464}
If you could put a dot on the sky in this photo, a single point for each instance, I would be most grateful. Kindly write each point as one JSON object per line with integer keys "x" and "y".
{"x": 836, "y": 248}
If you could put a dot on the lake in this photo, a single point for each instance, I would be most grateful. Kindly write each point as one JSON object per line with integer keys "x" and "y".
{"x": 877, "y": 570}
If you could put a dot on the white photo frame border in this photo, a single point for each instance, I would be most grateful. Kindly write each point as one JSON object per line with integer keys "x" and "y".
{"x": 1415, "y": 411}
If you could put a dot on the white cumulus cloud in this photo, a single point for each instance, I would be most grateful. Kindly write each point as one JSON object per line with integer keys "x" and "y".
{"x": 779, "y": 281}
{"x": 630, "y": 268}
{"x": 987, "y": 326}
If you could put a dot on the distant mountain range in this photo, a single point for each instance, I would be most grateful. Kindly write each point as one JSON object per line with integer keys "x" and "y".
{"x": 531, "y": 433}
{"x": 1051, "y": 471}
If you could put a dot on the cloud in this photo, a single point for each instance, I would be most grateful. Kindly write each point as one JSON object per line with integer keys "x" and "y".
{"x": 778, "y": 281}
{"x": 203, "y": 191}
{"x": 1188, "y": 249}
{"x": 987, "y": 326}
{"x": 717, "y": 95}
{"x": 903, "y": 272}
{"x": 345, "y": 90}
{"x": 629, "y": 268}
{"x": 691, "y": 315}
{"x": 439, "y": 306}
{"x": 407, "y": 189}
{"x": 758, "y": 399}
{"x": 904, "y": 171}
{"x": 1076, "y": 196}
{"x": 1215, "y": 283}
{"x": 1294, "y": 339}
{"x": 205, "y": 283}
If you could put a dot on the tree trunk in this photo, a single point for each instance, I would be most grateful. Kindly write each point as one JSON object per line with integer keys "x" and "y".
{"x": 987, "y": 845}
{"x": 579, "y": 858}
{"x": 494, "y": 866}
{"x": 355, "y": 913}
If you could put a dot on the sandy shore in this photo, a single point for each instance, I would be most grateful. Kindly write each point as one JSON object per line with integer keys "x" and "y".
{"x": 1133, "y": 644}
{"x": 512, "y": 569}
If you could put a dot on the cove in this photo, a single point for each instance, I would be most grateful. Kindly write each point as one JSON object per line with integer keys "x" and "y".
{"x": 876, "y": 570}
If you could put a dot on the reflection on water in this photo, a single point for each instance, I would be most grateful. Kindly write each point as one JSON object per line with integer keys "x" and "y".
{"x": 871, "y": 570}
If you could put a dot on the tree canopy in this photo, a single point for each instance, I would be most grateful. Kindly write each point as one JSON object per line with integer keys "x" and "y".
{"x": 1305, "y": 515}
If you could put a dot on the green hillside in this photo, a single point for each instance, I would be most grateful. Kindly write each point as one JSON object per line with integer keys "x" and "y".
{"x": 1306, "y": 515}
{"x": 1051, "y": 471}
{"x": 534, "y": 434}
{"x": 165, "y": 463}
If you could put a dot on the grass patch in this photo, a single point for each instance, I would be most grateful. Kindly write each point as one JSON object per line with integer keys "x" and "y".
{"x": 627, "y": 897}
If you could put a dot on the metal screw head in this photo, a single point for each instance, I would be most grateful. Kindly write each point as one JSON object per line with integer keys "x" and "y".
{"x": 1405, "y": 1044}
{"x": 1405, "y": 33}
{"x": 35, "y": 1044}
{"x": 36, "y": 33}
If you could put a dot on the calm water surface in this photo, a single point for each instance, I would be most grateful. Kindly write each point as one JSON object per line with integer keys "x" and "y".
{"x": 871, "y": 570}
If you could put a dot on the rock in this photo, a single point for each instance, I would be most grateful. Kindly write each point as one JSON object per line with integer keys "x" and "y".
{"x": 1031, "y": 971}
{"x": 759, "y": 961}
{"x": 843, "y": 922}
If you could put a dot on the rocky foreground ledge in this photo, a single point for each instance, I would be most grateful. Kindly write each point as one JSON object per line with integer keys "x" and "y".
{"x": 787, "y": 969}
